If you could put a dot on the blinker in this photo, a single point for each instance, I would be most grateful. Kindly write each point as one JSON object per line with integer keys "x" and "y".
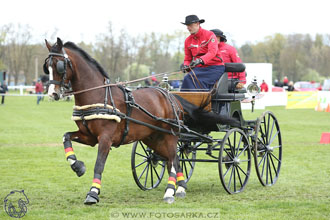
{"x": 60, "y": 67}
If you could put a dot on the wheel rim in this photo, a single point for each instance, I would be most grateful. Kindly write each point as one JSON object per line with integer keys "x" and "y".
{"x": 267, "y": 149}
{"x": 185, "y": 151}
{"x": 147, "y": 168}
{"x": 234, "y": 161}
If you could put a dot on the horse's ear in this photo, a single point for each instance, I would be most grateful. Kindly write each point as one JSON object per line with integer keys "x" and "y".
{"x": 48, "y": 45}
{"x": 59, "y": 43}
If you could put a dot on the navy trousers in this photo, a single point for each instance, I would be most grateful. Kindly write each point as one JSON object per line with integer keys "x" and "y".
{"x": 207, "y": 77}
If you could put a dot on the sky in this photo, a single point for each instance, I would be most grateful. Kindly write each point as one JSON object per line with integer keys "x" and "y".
{"x": 242, "y": 21}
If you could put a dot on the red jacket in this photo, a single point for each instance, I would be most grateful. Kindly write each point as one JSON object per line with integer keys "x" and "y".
{"x": 264, "y": 87}
{"x": 39, "y": 87}
{"x": 202, "y": 45}
{"x": 230, "y": 55}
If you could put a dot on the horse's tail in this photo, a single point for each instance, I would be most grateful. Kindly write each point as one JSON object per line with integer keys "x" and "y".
{"x": 203, "y": 117}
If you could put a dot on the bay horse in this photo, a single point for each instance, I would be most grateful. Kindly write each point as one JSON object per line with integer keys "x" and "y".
{"x": 111, "y": 115}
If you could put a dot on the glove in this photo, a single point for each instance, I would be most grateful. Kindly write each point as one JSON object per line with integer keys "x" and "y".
{"x": 239, "y": 85}
{"x": 196, "y": 62}
{"x": 185, "y": 68}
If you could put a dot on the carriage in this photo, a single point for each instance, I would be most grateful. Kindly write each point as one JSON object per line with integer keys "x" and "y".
{"x": 165, "y": 126}
{"x": 231, "y": 147}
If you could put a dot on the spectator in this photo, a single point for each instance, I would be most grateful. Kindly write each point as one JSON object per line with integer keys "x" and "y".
{"x": 277, "y": 83}
{"x": 285, "y": 81}
{"x": 39, "y": 90}
{"x": 264, "y": 86}
{"x": 147, "y": 82}
{"x": 3, "y": 90}
{"x": 290, "y": 87}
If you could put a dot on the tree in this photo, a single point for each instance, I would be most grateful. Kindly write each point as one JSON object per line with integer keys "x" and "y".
{"x": 18, "y": 52}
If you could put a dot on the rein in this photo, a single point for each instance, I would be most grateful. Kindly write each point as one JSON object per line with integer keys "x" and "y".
{"x": 119, "y": 83}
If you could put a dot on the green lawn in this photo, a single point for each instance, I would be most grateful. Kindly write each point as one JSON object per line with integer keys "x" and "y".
{"x": 32, "y": 158}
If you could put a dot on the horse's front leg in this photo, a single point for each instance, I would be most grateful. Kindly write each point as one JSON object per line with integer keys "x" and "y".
{"x": 77, "y": 166}
{"x": 102, "y": 154}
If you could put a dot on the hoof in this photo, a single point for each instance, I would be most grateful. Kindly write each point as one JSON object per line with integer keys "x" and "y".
{"x": 169, "y": 200}
{"x": 180, "y": 194}
{"x": 79, "y": 168}
{"x": 91, "y": 198}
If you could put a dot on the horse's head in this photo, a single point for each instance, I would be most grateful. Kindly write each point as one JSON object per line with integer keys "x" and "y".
{"x": 56, "y": 65}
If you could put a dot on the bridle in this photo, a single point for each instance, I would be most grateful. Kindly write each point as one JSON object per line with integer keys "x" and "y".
{"x": 61, "y": 68}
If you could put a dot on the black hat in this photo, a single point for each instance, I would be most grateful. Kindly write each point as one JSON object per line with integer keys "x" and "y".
{"x": 192, "y": 19}
{"x": 219, "y": 33}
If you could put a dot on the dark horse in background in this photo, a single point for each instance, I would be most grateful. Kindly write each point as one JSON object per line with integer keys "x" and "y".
{"x": 155, "y": 118}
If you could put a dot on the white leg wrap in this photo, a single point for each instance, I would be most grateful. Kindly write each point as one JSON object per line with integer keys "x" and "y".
{"x": 95, "y": 190}
{"x": 71, "y": 161}
{"x": 180, "y": 189}
{"x": 169, "y": 193}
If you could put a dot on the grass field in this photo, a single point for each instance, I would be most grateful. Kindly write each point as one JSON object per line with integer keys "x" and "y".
{"x": 32, "y": 158}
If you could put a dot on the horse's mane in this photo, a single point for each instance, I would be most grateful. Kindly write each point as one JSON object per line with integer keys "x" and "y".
{"x": 86, "y": 56}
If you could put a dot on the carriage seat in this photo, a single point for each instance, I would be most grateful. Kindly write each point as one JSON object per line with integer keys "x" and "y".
{"x": 226, "y": 88}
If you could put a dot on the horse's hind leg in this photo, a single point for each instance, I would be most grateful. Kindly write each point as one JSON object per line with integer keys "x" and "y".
{"x": 175, "y": 172}
{"x": 176, "y": 184}
{"x": 171, "y": 183}
{"x": 102, "y": 154}
{"x": 182, "y": 186}
{"x": 77, "y": 166}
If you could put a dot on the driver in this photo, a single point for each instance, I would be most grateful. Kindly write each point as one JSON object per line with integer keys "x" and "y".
{"x": 201, "y": 52}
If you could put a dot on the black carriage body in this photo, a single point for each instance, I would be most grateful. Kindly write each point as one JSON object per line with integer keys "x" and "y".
{"x": 232, "y": 151}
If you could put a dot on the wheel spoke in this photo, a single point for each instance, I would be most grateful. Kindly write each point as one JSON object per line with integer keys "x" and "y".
{"x": 275, "y": 157}
{"x": 271, "y": 141}
{"x": 141, "y": 144}
{"x": 262, "y": 159}
{"x": 239, "y": 177}
{"x": 231, "y": 176}
{"x": 242, "y": 170}
{"x": 186, "y": 157}
{"x": 230, "y": 147}
{"x": 156, "y": 173}
{"x": 234, "y": 153}
{"x": 228, "y": 153}
{"x": 140, "y": 164}
{"x": 276, "y": 147}
{"x": 146, "y": 179}
{"x": 234, "y": 179}
{"x": 242, "y": 150}
{"x": 267, "y": 131}
{"x": 263, "y": 135}
{"x": 271, "y": 160}
{"x": 227, "y": 170}
{"x": 143, "y": 171}
{"x": 270, "y": 169}
{"x": 271, "y": 132}
{"x": 263, "y": 165}
{"x": 239, "y": 144}
{"x": 152, "y": 177}
{"x": 141, "y": 155}
{"x": 267, "y": 164}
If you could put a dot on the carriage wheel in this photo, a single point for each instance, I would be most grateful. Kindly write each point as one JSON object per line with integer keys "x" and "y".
{"x": 147, "y": 167}
{"x": 234, "y": 161}
{"x": 267, "y": 149}
{"x": 185, "y": 151}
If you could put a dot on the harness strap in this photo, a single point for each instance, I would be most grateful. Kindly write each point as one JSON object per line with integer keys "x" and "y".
{"x": 193, "y": 75}
{"x": 129, "y": 100}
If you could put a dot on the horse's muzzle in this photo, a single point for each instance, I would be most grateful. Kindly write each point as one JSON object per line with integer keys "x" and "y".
{"x": 52, "y": 93}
